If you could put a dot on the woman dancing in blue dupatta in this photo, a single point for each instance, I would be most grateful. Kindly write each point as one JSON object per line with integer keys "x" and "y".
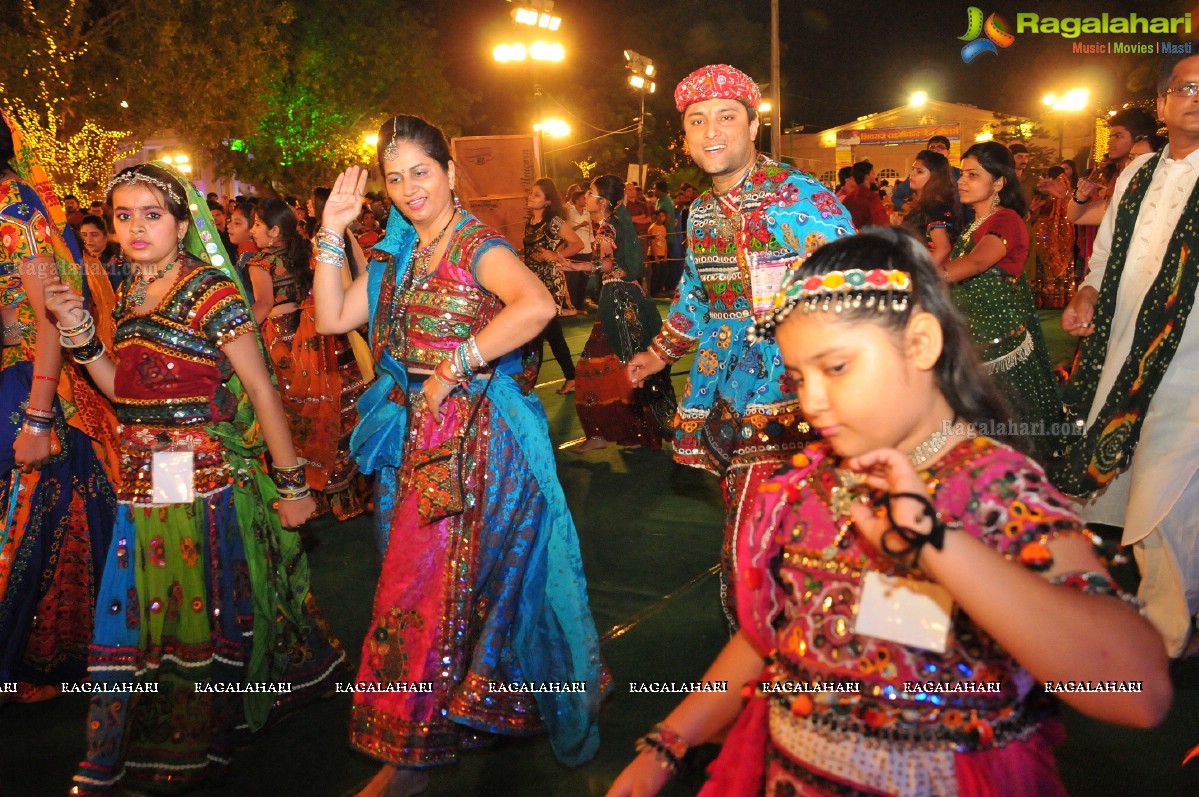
{"x": 484, "y": 595}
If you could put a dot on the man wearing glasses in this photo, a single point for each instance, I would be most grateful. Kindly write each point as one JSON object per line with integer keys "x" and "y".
{"x": 1138, "y": 374}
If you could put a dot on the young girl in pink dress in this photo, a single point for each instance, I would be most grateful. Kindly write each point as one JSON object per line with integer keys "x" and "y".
{"x": 842, "y": 680}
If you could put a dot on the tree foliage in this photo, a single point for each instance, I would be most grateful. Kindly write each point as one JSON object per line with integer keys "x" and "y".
{"x": 297, "y": 84}
{"x": 1009, "y": 130}
{"x": 322, "y": 97}
{"x": 38, "y": 82}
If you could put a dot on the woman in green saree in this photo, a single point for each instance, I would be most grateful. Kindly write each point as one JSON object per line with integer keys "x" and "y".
{"x": 986, "y": 282}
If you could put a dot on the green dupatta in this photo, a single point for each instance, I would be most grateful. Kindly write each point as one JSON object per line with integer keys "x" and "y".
{"x": 1089, "y": 462}
{"x": 274, "y": 555}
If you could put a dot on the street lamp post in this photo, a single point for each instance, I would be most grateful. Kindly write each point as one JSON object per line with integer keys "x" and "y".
{"x": 1072, "y": 100}
{"x": 642, "y": 69}
{"x": 536, "y": 52}
{"x": 765, "y": 108}
{"x": 553, "y": 128}
{"x": 535, "y": 14}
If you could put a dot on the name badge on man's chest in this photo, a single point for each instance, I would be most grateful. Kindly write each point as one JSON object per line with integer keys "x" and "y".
{"x": 904, "y": 610}
{"x": 766, "y": 273}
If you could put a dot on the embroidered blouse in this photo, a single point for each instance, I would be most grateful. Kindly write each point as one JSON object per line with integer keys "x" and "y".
{"x": 801, "y": 608}
{"x": 1009, "y": 227}
{"x": 171, "y": 374}
{"x": 428, "y": 320}
{"x": 283, "y": 283}
{"x": 23, "y": 234}
{"x": 777, "y": 214}
{"x": 542, "y": 237}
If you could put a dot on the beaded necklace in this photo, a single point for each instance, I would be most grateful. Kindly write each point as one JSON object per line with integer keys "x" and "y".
{"x": 851, "y": 487}
{"x": 401, "y": 299}
{"x": 978, "y": 222}
{"x": 141, "y": 283}
{"x": 421, "y": 256}
{"x": 733, "y": 225}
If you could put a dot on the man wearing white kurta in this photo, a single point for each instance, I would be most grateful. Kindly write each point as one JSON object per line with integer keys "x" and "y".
{"x": 1156, "y": 498}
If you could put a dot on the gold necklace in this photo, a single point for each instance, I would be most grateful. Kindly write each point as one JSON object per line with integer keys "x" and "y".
{"x": 422, "y": 255}
{"x": 141, "y": 283}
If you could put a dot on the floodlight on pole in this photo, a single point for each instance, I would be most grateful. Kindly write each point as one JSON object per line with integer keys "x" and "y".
{"x": 641, "y": 68}
{"x": 505, "y": 53}
{"x": 535, "y": 13}
{"x": 546, "y": 51}
{"x": 181, "y": 162}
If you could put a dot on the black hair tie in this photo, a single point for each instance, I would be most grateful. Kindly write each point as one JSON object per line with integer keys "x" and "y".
{"x": 900, "y": 542}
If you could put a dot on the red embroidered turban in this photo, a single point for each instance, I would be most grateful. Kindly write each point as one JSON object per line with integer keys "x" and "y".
{"x": 717, "y": 82}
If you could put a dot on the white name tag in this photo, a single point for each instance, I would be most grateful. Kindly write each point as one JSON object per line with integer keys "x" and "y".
{"x": 904, "y": 610}
{"x": 171, "y": 478}
{"x": 765, "y": 279}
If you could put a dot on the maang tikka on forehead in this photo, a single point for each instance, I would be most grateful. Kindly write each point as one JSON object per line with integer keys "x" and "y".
{"x": 391, "y": 151}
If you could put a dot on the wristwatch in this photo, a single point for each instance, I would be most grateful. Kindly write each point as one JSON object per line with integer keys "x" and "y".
{"x": 1081, "y": 201}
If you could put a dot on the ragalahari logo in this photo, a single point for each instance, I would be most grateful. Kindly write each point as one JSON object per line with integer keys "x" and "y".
{"x": 994, "y": 33}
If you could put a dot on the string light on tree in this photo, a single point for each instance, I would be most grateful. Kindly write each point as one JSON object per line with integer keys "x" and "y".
{"x": 78, "y": 160}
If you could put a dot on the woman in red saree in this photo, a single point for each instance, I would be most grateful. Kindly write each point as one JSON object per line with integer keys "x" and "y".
{"x": 319, "y": 378}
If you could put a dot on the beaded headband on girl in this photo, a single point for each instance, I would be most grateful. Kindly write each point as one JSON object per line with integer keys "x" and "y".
{"x": 882, "y": 289}
{"x": 138, "y": 177}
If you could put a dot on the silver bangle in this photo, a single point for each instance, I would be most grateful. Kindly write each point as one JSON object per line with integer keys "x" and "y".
{"x": 331, "y": 235}
{"x": 474, "y": 350}
{"x": 455, "y": 368}
{"x": 330, "y": 259}
{"x": 87, "y": 323}
{"x": 67, "y": 344}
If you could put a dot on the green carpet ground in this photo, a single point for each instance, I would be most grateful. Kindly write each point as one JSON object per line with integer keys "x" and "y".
{"x": 650, "y": 533}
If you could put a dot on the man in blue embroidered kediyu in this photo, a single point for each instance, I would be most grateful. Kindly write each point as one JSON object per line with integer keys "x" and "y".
{"x": 1134, "y": 387}
{"x": 760, "y": 219}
